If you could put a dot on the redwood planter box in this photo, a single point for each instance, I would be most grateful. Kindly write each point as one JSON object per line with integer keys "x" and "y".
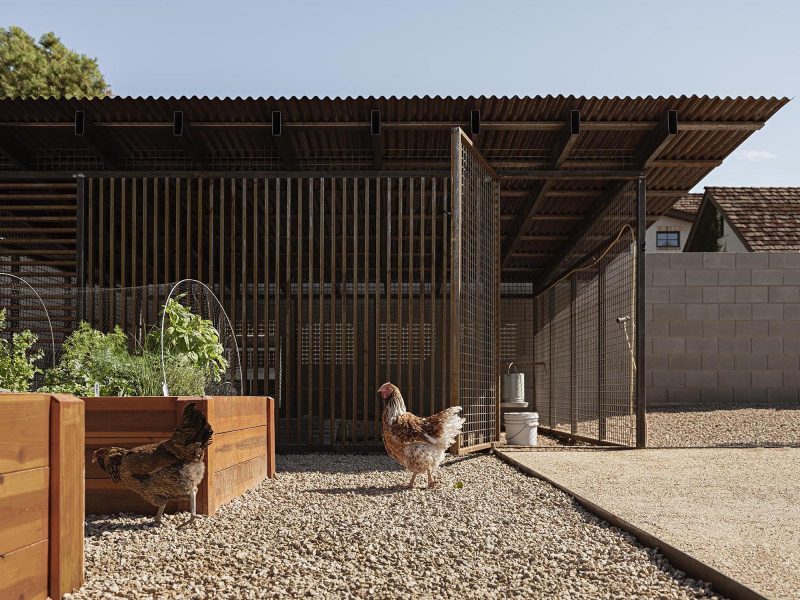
{"x": 241, "y": 455}
{"x": 41, "y": 495}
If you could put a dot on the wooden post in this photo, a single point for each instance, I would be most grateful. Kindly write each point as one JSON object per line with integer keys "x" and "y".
{"x": 67, "y": 497}
{"x": 271, "y": 471}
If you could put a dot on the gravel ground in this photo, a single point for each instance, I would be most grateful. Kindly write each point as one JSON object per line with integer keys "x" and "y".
{"x": 340, "y": 526}
{"x": 723, "y": 426}
{"x": 736, "y": 509}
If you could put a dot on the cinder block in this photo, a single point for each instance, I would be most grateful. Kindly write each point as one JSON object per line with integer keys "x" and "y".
{"x": 656, "y": 361}
{"x": 648, "y": 379}
{"x": 685, "y": 362}
{"x": 783, "y": 361}
{"x": 669, "y": 312}
{"x": 767, "y": 277}
{"x": 716, "y": 395}
{"x": 752, "y": 260}
{"x": 657, "y": 295}
{"x": 735, "y": 277}
{"x": 669, "y": 345}
{"x": 648, "y": 277}
{"x": 751, "y": 294}
{"x": 750, "y": 362}
{"x": 702, "y": 312}
{"x": 683, "y": 328}
{"x": 719, "y": 260}
{"x": 736, "y": 345}
{"x": 749, "y": 394}
{"x": 782, "y": 394}
{"x": 656, "y": 396}
{"x": 735, "y": 312}
{"x": 791, "y": 312}
{"x": 658, "y": 329}
{"x": 791, "y": 345}
{"x": 768, "y": 312}
{"x": 685, "y": 295}
{"x": 767, "y": 379}
{"x": 717, "y": 362}
{"x": 752, "y": 329}
{"x": 669, "y": 277}
{"x": 784, "y": 294}
{"x": 735, "y": 379}
{"x": 657, "y": 262}
{"x": 719, "y": 294}
{"x": 791, "y": 276}
{"x": 684, "y": 397}
{"x": 648, "y": 312}
{"x": 767, "y": 345}
{"x": 786, "y": 329}
{"x": 784, "y": 260}
{"x": 702, "y": 344}
{"x": 702, "y": 277}
{"x": 791, "y": 378}
{"x": 686, "y": 260}
{"x": 720, "y": 328}
{"x": 701, "y": 379}
{"x": 669, "y": 379}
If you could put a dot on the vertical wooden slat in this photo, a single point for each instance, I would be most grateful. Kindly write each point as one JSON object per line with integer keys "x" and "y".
{"x": 389, "y": 341}
{"x": 167, "y": 276}
{"x": 247, "y": 384}
{"x": 436, "y": 326}
{"x": 191, "y": 210}
{"x": 223, "y": 249}
{"x": 298, "y": 329}
{"x": 267, "y": 294}
{"x": 256, "y": 387}
{"x": 232, "y": 257}
{"x": 376, "y": 303}
{"x": 156, "y": 245}
{"x": 101, "y": 223}
{"x": 309, "y": 372}
{"x": 411, "y": 300}
{"x": 455, "y": 274}
{"x": 145, "y": 240}
{"x": 200, "y": 216}
{"x": 354, "y": 300}
{"x": 345, "y": 337}
{"x": 334, "y": 396}
{"x": 134, "y": 229}
{"x": 176, "y": 268}
{"x": 321, "y": 318}
{"x": 278, "y": 301}
{"x": 365, "y": 322}
{"x": 90, "y": 251}
{"x": 112, "y": 247}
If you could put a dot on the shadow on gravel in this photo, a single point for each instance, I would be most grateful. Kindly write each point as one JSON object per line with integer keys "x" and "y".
{"x": 359, "y": 491}
{"x": 336, "y": 463}
{"x": 96, "y": 528}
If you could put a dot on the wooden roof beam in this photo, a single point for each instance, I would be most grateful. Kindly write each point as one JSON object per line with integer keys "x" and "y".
{"x": 85, "y": 129}
{"x": 189, "y": 141}
{"x": 559, "y": 154}
{"x": 661, "y": 136}
{"x": 283, "y": 145}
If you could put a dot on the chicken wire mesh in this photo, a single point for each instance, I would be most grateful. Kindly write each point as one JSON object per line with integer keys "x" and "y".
{"x": 585, "y": 332}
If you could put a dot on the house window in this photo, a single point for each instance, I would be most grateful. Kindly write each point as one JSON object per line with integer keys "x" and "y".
{"x": 668, "y": 239}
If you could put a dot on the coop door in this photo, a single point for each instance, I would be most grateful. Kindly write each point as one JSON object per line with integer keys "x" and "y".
{"x": 475, "y": 295}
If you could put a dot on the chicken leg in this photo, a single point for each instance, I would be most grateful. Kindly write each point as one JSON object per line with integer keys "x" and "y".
{"x": 159, "y": 513}
{"x": 431, "y": 480}
{"x": 193, "y": 501}
{"x": 413, "y": 479}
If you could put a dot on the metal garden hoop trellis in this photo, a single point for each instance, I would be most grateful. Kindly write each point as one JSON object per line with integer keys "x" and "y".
{"x": 44, "y": 307}
{"x": 227, "y": 319}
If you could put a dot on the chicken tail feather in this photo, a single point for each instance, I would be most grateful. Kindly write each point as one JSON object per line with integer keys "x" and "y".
{"x": 194, "y": 431}
{"x": 451, "y": 426}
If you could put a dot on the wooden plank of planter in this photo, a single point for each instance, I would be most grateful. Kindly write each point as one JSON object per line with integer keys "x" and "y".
{"x": 67, "y": 495}
{"x": 104, "y": 497}
{"x": 24, "y": 434}
{"x": 23, "y": 573}
{"x": 234, "y": 481}
{"x": 25, "y": 501}
{"x": 229, "y": 413}
{"x": 117, "y": 418}
{"x": 233, "y": 447}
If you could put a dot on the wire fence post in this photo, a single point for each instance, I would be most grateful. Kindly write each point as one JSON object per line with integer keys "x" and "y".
{"x": 641, "y": 392}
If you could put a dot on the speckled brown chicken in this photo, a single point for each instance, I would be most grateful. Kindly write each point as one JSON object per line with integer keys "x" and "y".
{"x": 163, "y": 471}
{"x": 417, "y": 443}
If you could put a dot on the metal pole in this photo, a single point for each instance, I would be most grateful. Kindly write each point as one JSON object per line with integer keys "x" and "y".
{"x": 639, "y": 324}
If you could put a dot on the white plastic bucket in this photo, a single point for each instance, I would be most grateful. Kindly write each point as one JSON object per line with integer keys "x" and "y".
{"x": 521, "y": 428}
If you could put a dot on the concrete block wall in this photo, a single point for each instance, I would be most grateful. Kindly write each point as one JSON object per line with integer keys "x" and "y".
{"x": 722, "y": 328}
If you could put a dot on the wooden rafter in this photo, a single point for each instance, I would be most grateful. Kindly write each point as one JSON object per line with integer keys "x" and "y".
{"x": 11, "y": 146}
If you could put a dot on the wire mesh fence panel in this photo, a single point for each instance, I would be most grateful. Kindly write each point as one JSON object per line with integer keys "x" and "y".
{"x": 586, "y": 330}
{"x": 476, "y": 292}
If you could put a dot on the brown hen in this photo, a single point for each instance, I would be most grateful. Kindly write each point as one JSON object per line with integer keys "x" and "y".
{"x": 417, "y": 443}
{"x": 163, "y": 471}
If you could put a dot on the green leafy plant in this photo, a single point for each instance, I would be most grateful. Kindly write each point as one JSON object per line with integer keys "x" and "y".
{"x": 88, "y": 357}
{"x": 144, "y": 371}
{"x": 17, "y": 359}
{"x": 190, "y": 340}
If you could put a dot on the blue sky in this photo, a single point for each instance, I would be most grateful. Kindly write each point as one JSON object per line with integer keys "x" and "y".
{"x": 407, "y": 47}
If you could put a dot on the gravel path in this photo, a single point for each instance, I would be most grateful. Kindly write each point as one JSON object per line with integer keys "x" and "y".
{"x": 723, "y": 426}
{"x": 736, "y": 509}
{"x": 340, "y": 527}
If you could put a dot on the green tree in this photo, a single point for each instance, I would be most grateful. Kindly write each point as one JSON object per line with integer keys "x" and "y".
{"x": 48, "y": 68}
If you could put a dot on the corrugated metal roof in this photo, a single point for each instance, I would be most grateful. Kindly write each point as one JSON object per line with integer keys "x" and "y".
{"x": 517, "y": 133}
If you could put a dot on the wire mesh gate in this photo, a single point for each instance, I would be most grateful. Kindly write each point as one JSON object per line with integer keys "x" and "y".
{"x": 475, "y": 284}
{"x": 586, "y": 331}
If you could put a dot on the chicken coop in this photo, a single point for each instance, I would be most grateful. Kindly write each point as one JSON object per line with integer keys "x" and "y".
{"x": 422, "y": 241}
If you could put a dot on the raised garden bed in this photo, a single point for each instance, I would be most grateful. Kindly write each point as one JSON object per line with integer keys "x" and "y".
{"x": 241, "y": 456}
{"x": 41, "y": 495}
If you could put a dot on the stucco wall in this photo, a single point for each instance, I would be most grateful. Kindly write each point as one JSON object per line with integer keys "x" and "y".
{"x": 667, "y": 224}
{"x": 722, "y": 328}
